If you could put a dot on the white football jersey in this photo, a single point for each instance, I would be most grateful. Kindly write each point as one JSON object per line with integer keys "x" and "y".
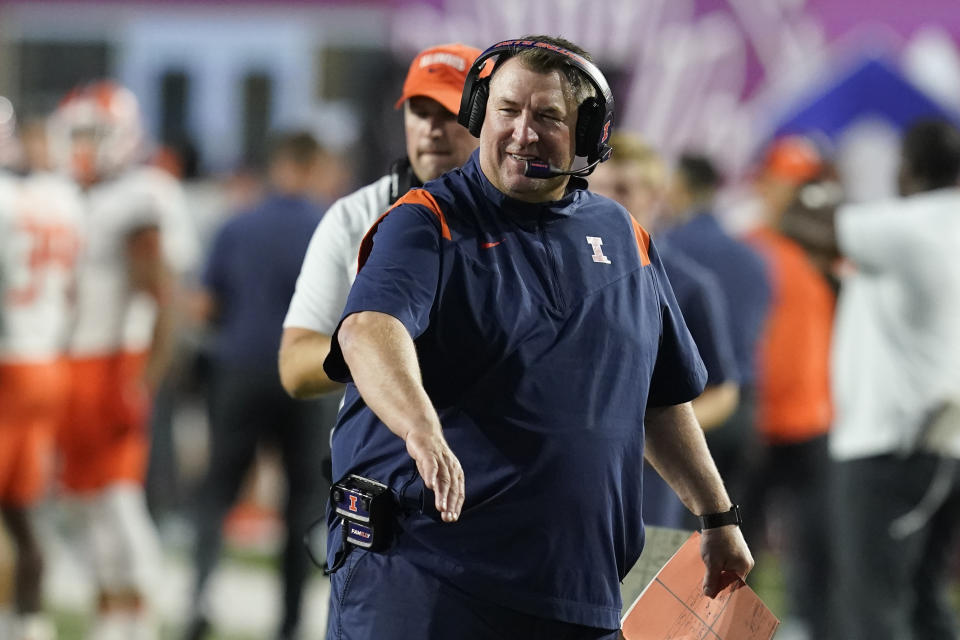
{"x": 40, "y": 237}
{"x": 112, "y": 316}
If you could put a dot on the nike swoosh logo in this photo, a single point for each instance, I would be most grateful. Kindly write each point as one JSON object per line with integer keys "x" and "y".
{"x": 490, "y": 245}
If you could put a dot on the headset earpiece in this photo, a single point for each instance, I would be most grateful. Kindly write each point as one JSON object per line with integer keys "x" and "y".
{"x": 478, "y": 106}
{"x": 589, "y": 125}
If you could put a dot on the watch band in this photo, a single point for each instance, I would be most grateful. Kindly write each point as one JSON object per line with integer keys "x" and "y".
{"x": 722, "y": 519}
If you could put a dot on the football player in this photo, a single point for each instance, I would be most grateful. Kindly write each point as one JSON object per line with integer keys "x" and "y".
{"x": 139, "y": 239}
{"x": 40, "y": 219}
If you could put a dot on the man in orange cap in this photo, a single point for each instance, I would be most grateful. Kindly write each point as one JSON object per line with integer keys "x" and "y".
{"x": 793, "y": 409}
{"x": 436, "y": 143}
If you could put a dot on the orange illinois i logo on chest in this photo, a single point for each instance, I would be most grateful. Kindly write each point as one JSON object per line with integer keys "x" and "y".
{"x": 597, "y": 256}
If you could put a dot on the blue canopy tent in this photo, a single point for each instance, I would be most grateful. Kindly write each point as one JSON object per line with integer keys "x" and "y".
{"x": 874, "y": 88}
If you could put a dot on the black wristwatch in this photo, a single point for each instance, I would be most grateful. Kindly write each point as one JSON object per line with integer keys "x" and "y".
{"x": 722, "y": 519}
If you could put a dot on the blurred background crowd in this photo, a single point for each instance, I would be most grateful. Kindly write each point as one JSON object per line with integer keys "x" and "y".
{"x": 765, "y": 115}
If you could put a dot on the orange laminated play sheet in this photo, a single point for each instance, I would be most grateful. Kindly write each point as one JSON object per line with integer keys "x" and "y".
{"x": 673, "y": 606}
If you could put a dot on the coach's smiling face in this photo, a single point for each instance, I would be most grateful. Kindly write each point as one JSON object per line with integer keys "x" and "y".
{"x": 530, "y": 116}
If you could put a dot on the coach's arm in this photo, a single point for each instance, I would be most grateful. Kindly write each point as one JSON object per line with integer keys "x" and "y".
{"x": 383, "y": 364}
{"x": 676, "y": 448}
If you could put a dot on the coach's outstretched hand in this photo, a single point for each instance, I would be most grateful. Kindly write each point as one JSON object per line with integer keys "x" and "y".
{"x": 383, "y": 363}
{"x": 439, "y": 468}
{"x": 725, "y": 553}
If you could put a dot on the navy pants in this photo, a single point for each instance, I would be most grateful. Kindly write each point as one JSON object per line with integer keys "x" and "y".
{"x": 382, "y": 596}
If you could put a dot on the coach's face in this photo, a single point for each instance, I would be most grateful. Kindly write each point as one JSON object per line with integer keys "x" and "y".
{"x": 530, "y": 116}
{"x": 436, "y": 142}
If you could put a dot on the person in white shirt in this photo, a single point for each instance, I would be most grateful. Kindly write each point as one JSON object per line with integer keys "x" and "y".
{"x": 435, "y": 143}
{"x": 896, "y": 382}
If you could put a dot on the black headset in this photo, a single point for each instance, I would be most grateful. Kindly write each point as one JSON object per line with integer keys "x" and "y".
{"x": 594, "y": 116}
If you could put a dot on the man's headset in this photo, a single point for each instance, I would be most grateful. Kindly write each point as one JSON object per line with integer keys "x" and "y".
{"x": 594, "y": 116}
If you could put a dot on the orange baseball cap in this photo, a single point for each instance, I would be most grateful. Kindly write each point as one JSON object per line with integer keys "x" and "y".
{"x": 794, "y": 159}
{"x": 439, "y": 73}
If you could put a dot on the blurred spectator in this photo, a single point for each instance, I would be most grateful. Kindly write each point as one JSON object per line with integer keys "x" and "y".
{"x": 896, "y": 382}
{"x": 436, "y": 143}
{"x": 809, "y": 221}
{"x": 40, "y": 227}
{"x": 249, "y": 279}
{"x": 745, "y": 284}
{"x": 138, "y": 241}
{"x": 790, "y": 472}
{"x": 636, "y": 177}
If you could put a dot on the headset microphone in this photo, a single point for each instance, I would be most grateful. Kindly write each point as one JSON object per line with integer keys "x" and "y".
{"x": 543, "y": 170}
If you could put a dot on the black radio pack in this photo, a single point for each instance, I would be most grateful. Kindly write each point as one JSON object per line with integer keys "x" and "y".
{"x": 367, "y": 509}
